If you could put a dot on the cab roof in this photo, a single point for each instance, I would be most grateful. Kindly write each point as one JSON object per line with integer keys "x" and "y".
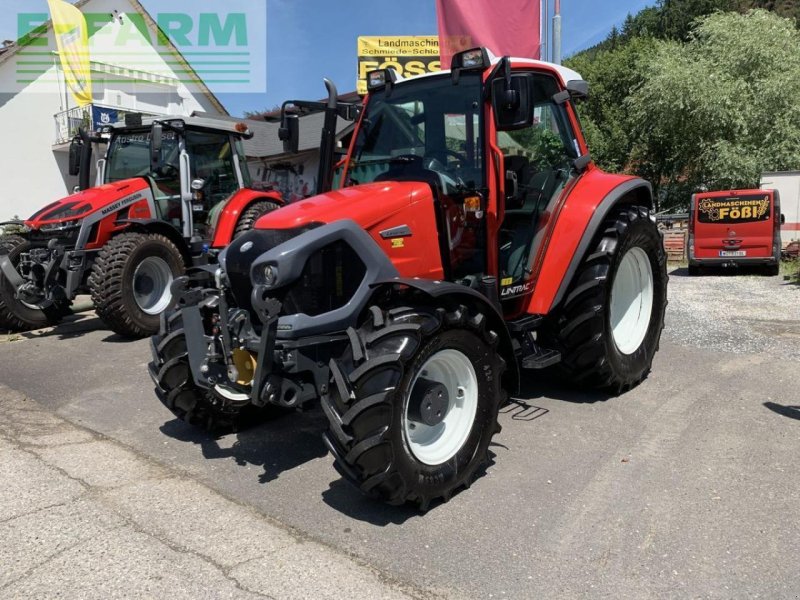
{"x": 207, "y": 123}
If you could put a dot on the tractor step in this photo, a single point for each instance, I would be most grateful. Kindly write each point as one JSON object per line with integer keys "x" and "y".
{"x": 541, "y": 358}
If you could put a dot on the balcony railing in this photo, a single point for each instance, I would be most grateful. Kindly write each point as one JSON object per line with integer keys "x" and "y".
{"x": 90, "y": 117}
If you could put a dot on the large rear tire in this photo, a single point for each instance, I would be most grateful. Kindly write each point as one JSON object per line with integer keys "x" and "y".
{"x": 252, "y": 214}
{"x": 610, "y": 325}
{"x": 14, "y": 314}
{"x": 130, "y": 282}
{"x": 177, "y": 391}
{"x": 413, "y": 403}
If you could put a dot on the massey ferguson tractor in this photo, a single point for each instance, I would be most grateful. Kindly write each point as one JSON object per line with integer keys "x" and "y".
{"x": 168, "y": 192}
{"x": 471, "y": 244}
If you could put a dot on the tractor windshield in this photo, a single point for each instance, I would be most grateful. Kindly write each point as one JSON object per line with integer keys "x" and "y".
{"x": 129, "y": 156}
{"x": 428, "y": 129}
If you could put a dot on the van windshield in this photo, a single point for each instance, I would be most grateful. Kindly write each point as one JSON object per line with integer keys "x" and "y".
{"x": 729, "y": 211}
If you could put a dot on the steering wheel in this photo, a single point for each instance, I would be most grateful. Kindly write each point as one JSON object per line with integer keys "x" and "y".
{"x": 167, "y": 170}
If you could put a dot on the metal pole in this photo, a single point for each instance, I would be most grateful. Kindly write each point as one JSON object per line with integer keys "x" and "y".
{"x": 557, "y": 34}
{"x": 545, "y": 28}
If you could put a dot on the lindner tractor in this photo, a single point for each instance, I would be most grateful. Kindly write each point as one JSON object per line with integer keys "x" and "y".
{"x": 471, "y": 242}
{"x": 168, "y": 192}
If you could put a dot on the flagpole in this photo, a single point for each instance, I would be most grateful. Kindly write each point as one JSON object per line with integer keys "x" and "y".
{"x": 545, "y": 33}
{"x": 557, "y": 33}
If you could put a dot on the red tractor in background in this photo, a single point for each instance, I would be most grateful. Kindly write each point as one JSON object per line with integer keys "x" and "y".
{"x": 472, "y": 242}
{"x": 169, "y": 192}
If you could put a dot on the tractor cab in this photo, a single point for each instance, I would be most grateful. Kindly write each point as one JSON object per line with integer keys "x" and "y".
{"x": 497, "y": 142}
{"x": 193, "y": 165}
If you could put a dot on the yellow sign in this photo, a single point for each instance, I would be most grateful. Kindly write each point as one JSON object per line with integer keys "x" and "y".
{"x": 731, "y": 210}
{"x": 72, "y": 39}
{"x": 408, "y": 55}
{"x": 398, "y": 243}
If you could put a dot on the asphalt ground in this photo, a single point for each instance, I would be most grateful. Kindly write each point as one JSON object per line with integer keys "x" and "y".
{"x": 687, "y": 486}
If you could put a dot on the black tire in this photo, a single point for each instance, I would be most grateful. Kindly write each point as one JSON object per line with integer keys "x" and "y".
{"x": 15, "y": 316}
{"x": 369, "y": 392}
{"x": 590, "y": 355}
{"x": 694, "y": 270}
{"x": 772, "y": 270}
{"x": 177, "y": 391}
{"x": 111, "y": 281}
{"x": 252, "y": 214}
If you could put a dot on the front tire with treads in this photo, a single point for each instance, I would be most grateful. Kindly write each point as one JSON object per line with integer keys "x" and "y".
{"x": 177, "y": 390}
{"x": 610, "y": 325}
{"x": 413, "y": 402}
{"x": 121, "y": 274}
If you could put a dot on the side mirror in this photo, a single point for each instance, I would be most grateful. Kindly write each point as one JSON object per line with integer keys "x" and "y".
{"x": 156, "y": 141}
{"x": 511, "y": 100}
{"x": 783, "y": 219}
{"x": 578, "y": 89}
{"x": 75, "y": 148}
{"x": 289, "y": 133}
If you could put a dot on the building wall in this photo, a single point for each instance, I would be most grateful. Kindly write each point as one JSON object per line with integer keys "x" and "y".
{"x": 32, "y": 171}
{"x": 295, "y": 177}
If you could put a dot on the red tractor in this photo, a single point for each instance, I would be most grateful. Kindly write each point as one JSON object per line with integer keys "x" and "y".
{"x": 169, "y": 191}
{"x": 472, "y": 242}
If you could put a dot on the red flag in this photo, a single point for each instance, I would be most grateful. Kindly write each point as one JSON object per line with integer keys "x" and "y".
{"x": 506, "y": 27}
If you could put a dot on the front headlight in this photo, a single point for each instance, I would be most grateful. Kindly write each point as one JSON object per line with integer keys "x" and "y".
{"x": 63, "y": 226}
{"x": 270, "y": 275}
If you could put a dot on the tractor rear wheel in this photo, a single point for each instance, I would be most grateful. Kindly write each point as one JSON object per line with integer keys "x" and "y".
{"x": 130, "y": 282}
{"x": 610, "y": 326}
{"x": 16, "y": 315}
{"x": 176, "y": 389}
{"x": 413, "y": 403}
{"x": 252, "y": 214}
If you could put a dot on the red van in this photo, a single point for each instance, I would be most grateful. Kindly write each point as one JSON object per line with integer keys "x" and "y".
{"x": 735, "y": 228}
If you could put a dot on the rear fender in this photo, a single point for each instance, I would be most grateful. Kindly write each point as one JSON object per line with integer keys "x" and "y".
{"x": 453, "y": 294}
{"x": 234, "y": 207}
{"x": 581, "y": 217}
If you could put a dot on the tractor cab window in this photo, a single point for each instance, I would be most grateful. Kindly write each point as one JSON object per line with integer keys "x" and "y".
{"x": 129, "y": 156}
{"x": 211, "y": 157}
{"x": 538, "y": 163}
{"x": 428, "y": 130}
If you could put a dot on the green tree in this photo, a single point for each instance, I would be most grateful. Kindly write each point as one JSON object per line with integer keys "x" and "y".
{"x": 717, "y": 111}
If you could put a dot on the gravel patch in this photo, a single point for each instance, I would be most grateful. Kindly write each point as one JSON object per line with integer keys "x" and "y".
{"x": 743, "y": 314}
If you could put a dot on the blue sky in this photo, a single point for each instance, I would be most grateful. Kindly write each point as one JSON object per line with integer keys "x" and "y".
{"x": 311, "y": 39}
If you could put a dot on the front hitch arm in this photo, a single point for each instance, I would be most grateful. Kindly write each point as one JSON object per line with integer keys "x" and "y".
{"x": 267, "y": 309}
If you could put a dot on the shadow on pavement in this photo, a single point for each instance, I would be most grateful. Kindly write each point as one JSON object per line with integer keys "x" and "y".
{"x": 793, "y": 412}
{"x": 72, "y": 327}
{"x": 545, "y": 386}
{"x": 277, "y": 445}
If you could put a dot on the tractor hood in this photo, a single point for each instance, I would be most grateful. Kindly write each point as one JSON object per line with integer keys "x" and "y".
{"x": 368, "y": 205}
{"x": 82, "y": 204}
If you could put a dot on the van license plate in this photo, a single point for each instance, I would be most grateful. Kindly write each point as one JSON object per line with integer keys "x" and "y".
{"x": 726, "y": 253}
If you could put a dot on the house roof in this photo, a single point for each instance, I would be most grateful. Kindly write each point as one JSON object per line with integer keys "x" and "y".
{"x": 9, "y": 51}
{"x": 265, "y": 142}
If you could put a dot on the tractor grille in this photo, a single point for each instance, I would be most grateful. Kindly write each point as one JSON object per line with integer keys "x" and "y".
{"x": 238, "y": 263}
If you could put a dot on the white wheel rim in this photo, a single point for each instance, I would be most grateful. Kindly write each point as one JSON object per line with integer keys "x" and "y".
{"x": 151, "y": 285}
{"x": 632, "y": 300}
{"x": 436, "y": 444}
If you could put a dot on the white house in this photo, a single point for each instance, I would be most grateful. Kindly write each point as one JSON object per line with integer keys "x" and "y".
{"x": 38, "y": 116}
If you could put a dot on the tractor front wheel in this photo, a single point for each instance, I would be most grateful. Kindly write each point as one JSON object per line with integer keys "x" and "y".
{"x": 610, "y": 326}
{"x": 130, "y": 282}
{"x": 413, "y": 403}
{"x": 16, "y": 315}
